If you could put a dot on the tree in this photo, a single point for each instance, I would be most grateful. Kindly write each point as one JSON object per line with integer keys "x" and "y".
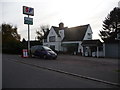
{"x": 10, "y": 39}
{"x": 23, "y": 40}
{"x": 111, "y": 25}
{"x": 44, "y": 30}
{"x": 9, "y": 33}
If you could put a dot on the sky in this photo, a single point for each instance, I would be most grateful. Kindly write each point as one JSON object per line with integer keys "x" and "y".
{"x": 51, "y": 12}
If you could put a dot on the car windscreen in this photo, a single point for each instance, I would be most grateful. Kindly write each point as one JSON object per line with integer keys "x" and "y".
{"x": 47, "y": 49}
{"x": 33, "y": 49}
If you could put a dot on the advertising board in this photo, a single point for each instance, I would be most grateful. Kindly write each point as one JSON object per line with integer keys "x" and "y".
{"x": 28, "y": 10}
{"x": 28, "y": 20}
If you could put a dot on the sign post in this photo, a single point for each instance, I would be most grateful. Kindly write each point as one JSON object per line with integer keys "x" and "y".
{"x": 28, "y": 11}
{"x": 28, "y": 39}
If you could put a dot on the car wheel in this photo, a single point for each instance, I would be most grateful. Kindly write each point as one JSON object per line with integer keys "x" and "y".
{"x": 54, "y": 58}
{"x": 32, "y": 56}
{"x": 45, "y": 56}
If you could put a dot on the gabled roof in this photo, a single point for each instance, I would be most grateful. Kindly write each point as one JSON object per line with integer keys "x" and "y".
{"x": 75, "y": 33}
{"x": 57, "y": 29}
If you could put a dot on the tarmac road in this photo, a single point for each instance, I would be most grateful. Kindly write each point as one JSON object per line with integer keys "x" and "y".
{"x": 18, "y": 75}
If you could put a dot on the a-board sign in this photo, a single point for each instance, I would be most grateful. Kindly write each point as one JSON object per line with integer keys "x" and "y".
{"x": 28, "y": 10}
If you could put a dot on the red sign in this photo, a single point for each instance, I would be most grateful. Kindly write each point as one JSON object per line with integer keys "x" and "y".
{"x": 25, "y": 53}
{"x": 28, "y": 10}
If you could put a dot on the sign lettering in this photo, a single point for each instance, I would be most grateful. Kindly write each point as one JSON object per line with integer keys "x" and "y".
{"x": 28, "y": 20}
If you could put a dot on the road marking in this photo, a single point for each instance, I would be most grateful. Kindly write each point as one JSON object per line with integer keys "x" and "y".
{"x": 69, "y": 73}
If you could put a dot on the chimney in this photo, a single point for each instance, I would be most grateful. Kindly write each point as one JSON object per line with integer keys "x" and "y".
{"x": 61, "y": 25}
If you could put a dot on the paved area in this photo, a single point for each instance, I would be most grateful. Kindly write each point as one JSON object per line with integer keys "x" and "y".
{"x": 100, "y": 68}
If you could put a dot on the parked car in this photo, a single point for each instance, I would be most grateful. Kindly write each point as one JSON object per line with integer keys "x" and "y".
{"x": 43, "y": 52}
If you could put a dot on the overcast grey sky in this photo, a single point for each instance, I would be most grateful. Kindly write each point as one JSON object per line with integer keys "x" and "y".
{"x": 51, "y": 12}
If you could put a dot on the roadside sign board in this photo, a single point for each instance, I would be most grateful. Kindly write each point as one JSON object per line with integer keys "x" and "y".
{"x": 28, "y": 20}
{"x": 28, "y": 10}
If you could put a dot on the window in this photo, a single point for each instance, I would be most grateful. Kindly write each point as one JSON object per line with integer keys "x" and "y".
{"x": 52, "y": 39}
{"x": 89, "y": 34}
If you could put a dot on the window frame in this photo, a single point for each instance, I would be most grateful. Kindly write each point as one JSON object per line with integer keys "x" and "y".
{"x": 52, "y": 39}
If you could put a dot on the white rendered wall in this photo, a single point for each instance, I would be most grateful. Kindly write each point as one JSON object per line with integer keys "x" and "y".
{"x": 57, "y": 42}
{"x": 61, "y": 33}
{"x": 87, "y": 37}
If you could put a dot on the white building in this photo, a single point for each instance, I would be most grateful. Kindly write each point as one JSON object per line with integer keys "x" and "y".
{"x": 68, "y": 39}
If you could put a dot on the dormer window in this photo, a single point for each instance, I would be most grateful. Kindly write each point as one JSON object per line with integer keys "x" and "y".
{"x": 61, "y": 33}
{"x": 89, "y": 34}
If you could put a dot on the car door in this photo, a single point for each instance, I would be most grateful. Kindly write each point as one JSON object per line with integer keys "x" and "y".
{"x": 39, "y": 51}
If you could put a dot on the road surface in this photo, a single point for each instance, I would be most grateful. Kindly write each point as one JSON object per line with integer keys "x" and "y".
{"x": 19, "y": 75}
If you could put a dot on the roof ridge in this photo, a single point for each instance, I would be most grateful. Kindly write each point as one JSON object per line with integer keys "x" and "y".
{"x": 55, "y": 26}
{"x": 73, "y": 27}
{"x": 80, "y": 26}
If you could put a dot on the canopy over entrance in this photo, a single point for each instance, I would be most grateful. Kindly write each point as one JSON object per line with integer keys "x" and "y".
{"x": 91, "y": 43}
{"x": 69, "y": 44}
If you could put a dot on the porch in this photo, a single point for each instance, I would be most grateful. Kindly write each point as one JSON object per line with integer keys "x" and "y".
{"x": 92, "y": 48}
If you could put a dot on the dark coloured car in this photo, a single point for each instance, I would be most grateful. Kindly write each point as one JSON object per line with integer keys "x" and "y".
{"x": 43, "y": 52}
